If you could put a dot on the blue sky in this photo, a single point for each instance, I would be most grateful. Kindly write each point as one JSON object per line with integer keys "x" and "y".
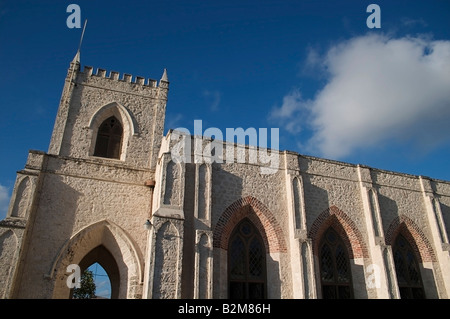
{"x": 102, "y": 283}
{"x": 334, "y": 87}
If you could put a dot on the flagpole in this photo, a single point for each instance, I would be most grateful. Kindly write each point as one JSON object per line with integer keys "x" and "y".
{"x": 82, "y": 35}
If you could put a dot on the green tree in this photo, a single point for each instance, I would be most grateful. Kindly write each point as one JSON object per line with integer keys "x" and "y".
{"x": 87, "y": 287}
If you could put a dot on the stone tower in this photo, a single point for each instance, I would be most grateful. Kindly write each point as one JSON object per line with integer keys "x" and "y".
{"x": 88, "y": 197}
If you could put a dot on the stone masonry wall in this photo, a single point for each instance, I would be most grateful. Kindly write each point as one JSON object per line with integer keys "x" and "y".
{"x": 74, "y": 195}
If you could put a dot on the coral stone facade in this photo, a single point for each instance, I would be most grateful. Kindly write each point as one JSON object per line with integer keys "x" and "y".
{"x": 312, "y": 228}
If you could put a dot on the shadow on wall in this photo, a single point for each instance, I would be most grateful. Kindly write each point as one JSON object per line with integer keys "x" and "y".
{"x": 359, "y": 281}
{"x": 273, "y": 278}
{"x": 446, "y": 217}
{"x": 429, "y": 282}
{"x": 388, "y": 210}
{"x": 316, "y": 198}
{"x": 226, "y": 188}
{"x": 188, "y": 275}
{"x": 69, "y": 129}
{"x": 52, "y": 228}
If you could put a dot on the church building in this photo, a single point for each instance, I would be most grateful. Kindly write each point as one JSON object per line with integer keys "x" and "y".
{"x": 111, "y": 189}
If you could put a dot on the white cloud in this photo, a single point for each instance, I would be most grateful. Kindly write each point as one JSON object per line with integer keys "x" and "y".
{"x": 293, "y": 107}
{"x": 379, "y": 89}
{"x": 4, "y": 201}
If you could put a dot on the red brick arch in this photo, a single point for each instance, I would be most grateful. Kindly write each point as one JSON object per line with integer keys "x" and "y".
{"x": 414, "y": 235}
{"x": 344, "y": 226}
{"x": 251, "y": 208}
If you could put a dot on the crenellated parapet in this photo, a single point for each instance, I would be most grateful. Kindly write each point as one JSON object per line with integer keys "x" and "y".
{"x": 123, "y": 82}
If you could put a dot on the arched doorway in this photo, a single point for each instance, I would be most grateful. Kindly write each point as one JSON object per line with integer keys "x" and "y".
{"x": 101, "y": 256}
{"x": 108, "y": 244}
{"x": 247, "y": 277}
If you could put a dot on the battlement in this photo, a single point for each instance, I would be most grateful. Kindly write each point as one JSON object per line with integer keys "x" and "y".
{"x": 88, "y": 71}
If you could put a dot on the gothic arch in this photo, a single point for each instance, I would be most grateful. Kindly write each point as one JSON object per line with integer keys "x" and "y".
{"x": 22, "y": 198}
{"x": 345, "y": 228}
{"x": 172, "y": 183}
{"x": 414, "y": 235}
{"x": 105, "y": 259}
{"x": 166, "y": 264}
{"x": 9, "y": 245}
{"x": 251, "y": 208}
{"x": 110, "y": 237}
{"x": 125, "y": 118}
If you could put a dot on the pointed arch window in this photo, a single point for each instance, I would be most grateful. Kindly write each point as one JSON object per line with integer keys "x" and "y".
{"x": 246, "y": 263}
{"x": 109, "y": 139}
{"x": 407, "y": 270}
{"x": 335, "y": 273}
